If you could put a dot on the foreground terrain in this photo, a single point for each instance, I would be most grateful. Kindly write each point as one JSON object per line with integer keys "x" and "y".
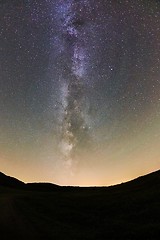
{"x": 46, "y": 211}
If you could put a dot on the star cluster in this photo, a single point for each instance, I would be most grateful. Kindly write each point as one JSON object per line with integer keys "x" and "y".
{"x": 80, "y": 90}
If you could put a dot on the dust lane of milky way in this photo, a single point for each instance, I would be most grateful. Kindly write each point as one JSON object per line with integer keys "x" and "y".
{"x": 73, "y": 123}
{"x": 80, "y": 90}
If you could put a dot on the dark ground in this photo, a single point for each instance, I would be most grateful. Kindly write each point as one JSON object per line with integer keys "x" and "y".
{"x": 45, "y": 211}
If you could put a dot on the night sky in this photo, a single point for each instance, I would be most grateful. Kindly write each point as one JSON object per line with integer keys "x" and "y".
{"x": 79, "y": 90}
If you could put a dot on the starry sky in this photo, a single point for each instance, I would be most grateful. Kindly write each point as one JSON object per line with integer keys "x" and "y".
{"x": 79, "y": 90}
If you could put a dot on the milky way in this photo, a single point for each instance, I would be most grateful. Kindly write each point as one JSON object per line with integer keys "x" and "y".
{"x": 74, "y": 128}
{"x": 80, "y": 90}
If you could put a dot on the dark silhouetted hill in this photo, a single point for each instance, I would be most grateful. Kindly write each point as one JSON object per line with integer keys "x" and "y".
{"x": 45, "y": 187}
{"x": 12, "y": 182}
{"x": 127, "y": 211}
{"x": 8, "y": 181}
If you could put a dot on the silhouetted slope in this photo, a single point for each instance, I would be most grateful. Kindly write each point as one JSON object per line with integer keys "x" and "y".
{"x": 147, "y": 180}
{"x": 127, "y": 211}
{"x": 12, "y": 182}
{"x": 8, "y": 181}
{"x": 45, "y": 187}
